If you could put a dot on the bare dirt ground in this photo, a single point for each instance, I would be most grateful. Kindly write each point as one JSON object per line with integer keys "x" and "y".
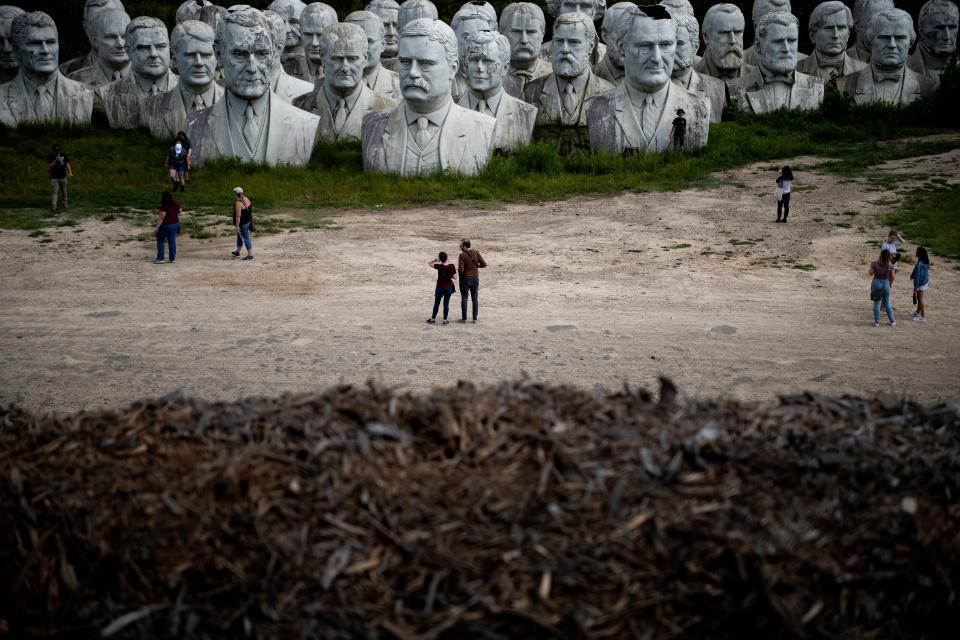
{"x": 591, "y": 291}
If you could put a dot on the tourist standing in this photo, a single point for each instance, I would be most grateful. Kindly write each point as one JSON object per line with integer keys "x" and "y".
{"x": 785, "y": 187}
{"x": 444, "y": 288}
{"x": 469, "y": 264}
{"x": 177, "y": 165}
{"x": 882, "y": 272}
{"x": 921, "y": 283}
{"x": 168, "y": 224}
{"x": 243, "y": 219}
{"x": 678, "y": 131}
{"x": 185, "y": 143}
{"x": 892, "y": 244}
{"x": 59, "y": 165}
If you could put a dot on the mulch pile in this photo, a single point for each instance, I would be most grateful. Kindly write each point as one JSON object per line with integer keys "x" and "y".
{"x": 513, "y": 511}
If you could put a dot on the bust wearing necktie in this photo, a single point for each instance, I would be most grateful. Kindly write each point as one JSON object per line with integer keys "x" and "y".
{"x": 148, "y": 46}
{"x": 775, "y": 83}
{"x": 524, "y": 25}
{"x": 473, "y": 17}
{"x": 888, "y": 79}
{"x": 637, "y": 117}
{"x": 285, "y": 86}
{"x": 39, "y": 92}
{"x": 250, "y": 123}
{"x": 427, "y": 132}
{"x": 111, "y": 61}
{"x": 343, "y": 98}
{"x": 314, "y": 19}
{"x": 195, "y": 62}
{"x": 684, "y": 59}
{"x": 378, "y": 78}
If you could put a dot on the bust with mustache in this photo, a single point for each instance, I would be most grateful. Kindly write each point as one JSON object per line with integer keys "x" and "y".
{"x": 723, "y": 40}
{"x": 523, "y": 24}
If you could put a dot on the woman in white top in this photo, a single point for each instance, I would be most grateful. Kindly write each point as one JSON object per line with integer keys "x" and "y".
{"x": 785, "y": 184}
{"x": 893, "y": 243}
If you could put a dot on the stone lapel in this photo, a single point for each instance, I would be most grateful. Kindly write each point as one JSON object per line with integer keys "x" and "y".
{"x": 387, "y": 84}
{"x": 92, "y": 76}
{"x": 810, "y": 66}
{"x": 287, "y": 88}
{"x": 296, "y": 66}
{"x": 606, "y": 70}
{"x": 290, "y": 136}
{"x": 615, "y": 126}
{"x": 513, "y": 83}
{"x": 714, "y": 90}
{"x": 165, "y": 114}
{"x": 861, "y": 88}
{"x": 515, "y": 120}
{"x": 464, "y": 145}
{"x": 75, "y": 64}
{"x": 74, "y": 102}
{"x": 806, "y": 92}
{"x": 123, "y": 101}
{"x": 543, "y": 94}
{"x": 919, "y": 65}
{"x": 367, "y": 102}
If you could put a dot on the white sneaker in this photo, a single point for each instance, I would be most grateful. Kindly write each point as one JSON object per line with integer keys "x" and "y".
{"x": 919, "y": 319}
{"x": 893, "y": 324}
{"x": 876, "y": 324}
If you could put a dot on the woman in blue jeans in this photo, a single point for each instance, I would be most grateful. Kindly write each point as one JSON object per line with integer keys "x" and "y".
{"x": 444, "y": 289}
{"x": 168, "y": 224}
{"x": 243, "y": 219}
{"x": 882, "y": 272}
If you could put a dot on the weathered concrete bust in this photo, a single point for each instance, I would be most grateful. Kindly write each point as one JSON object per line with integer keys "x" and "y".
{"x": 487, "y": 57}
{"x": 751, "y": 55}
{"x": 684, "y": 75}
{"x": 676, "y": 7}
{"x": 863, "y": 13}
{"x": 190, "y": 10}
{"x": 610, "y": 66}
{"x": 377, "y": 77}
{"x": 111, "y": 60}
{"x": 285, "y": 86}
{"x": 427, "y": 132}
{"x": 829, "y": 29}
{"x": 471, "y": 18}
{"x": 888, "y": 79}
{"x": 776, "y": 84}
{"x": 39, "y": 92}
{"x": 593, "y": 9}
{"x": 90, "y": 9}
{"x": 411, "y": 10}
{"x": 293, "y": 58}
{"x": 250, "y": 123}
{"x": 313, "y": 21}
{"x": 723, "y": 41}
{"x": 637, "y": 117}
{"x": 938, "y": 22}
{"x": 389, "y": 13}
{"x": 9, "y": 65}
{"x": 524, "y": 25}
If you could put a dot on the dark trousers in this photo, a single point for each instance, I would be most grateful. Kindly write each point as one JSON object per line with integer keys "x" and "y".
{"x": 168, "y": 233}
{"x": 783, "y": 207}
{"x": 471, "y": 287}
{"x": 441, "y": 294}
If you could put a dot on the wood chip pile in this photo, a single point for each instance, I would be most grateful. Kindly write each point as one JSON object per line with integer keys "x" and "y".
{"x": 512, "y": 511}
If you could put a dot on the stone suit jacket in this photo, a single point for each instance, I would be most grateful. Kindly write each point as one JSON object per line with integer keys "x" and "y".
{"x": 291, "y": 136}
{"x": 513, "y": 83}
{"x": 74, "y": 102}
{"x": 367, "y": 102}
{"x": 464, "y": 145}
{"x": 387, "y": 84}
{"x": 123, "y": 101}
{"x": 916, "y": 63}
{"x": 75, "y": 64}
{"x": 606, "y": 70}
{"x": 295, "y": 66}
{"x": 515, "y": 120}
{"x": 615, "y": 125}
{"x": 288, "y": 88}
{"x": 806, "y": 92}
{"x": 543, "y": 94}
{"x": 165, "y": 114}
{"x": 861, "y": 88}
{"x": 712, "y": 89}
{"x": 810, "y": 67}
{"x": 93, "y": 76}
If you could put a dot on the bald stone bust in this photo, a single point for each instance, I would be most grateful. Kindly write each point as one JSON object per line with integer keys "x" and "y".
{"x": 39, "y": 92}
{"x": 427, "y": 132}
{"x": 411, "y": 10}
{"x": 250, "y": 123}
{"x": 9, "y": 65}
{"x": 107, "y": 37}
{"x": 938, "y": 23}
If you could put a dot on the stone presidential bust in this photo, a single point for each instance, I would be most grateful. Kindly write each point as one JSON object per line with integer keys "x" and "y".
{"x": 9, "y": 65}
{"x": 313, "y": 21}
{"x": 411, "y": 10}
{"x": 190, "y": 10}
{"x": 637, "y": 117}
{"x": 343, "y": 99}
{"x": 487, "y": 57}
{"x": 250, "y": 122}
{"x": 888, "y": 79}
{"x": 561, "y": 97}
{"x": 938, "y": 38}
{"x": 40, "y": 92}
{"x": 90, "y": 9}
{"x": 708, "y": 87}
{"x": 377, "y": 77}
{"x": 388, "y": 11}
{"x": 723, "y": 43}
{"x": 472, "y": 17}
{"x": 196, "y": 63}
{"x": 523, "y": 24}
{"x": 829, "y": 29}
{"x": 610, "y": 66}
{"x": 593, "y": 9}
{"x": 776, "y": 83}
{"x": 427, "y": 132}
{"x": 292, "y": 58}
{"x": 863, "y": 12}
{"x": 751, "y": 55}
{"x": 284, "y": 86}
{"x": 109, "y": 49}
{"x": 678, "y": 6}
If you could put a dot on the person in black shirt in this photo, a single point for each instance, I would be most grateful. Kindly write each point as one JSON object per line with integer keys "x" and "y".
{"x": 59, "y": 165}
{"x": 243, "y": 220}
{"x": 679, "y": 130}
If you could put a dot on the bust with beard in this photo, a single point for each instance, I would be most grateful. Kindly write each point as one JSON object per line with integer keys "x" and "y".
{"x": 723, "y": 41}
{"x": 708, "y": 87}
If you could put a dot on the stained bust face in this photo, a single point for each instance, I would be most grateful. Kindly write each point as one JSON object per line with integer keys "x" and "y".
{"x": 725, "y": 41}
{"x": 571, "y": 50}
{"x": 778, "y": 51}
{"x": 891, "y": 42}
{"x": 485, "y": 69}
{"x": 195, "y": 61}
{"x": 391, "y": 37}
{"x": 938, "y": 30}
{"x": 525, "y": 33}
{"x": 648, "y": 50}
{"x": 247, "y": 57}
{"x": 468, "y": 27}
{"x": 686, "y": 50}
{"x": 832, "y": 36}
{"x": 39, "y": 51}
{"x": 8, "y": 54}
{"x": 290, "y": 11}
{"x": 149, "y": 50}
{"x": 425, "y": 73}
{"x": 343, "y": 65}
{"x": 586, "y": 7}
{"x": 609, "y": 26}
{"x": 107, "y": 38}
{"x": 311, "y": 28}
{"x": 374, "y": 43}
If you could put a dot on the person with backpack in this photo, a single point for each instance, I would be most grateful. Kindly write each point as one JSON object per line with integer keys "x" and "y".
{"x": 921, "y": 283}
{"x": 882, "y": 272}
{"x": 177, "y": 166}
{"x": 469, "y": 264}
{"x": 243, "y": 220}
{"x": 445, "y": 287}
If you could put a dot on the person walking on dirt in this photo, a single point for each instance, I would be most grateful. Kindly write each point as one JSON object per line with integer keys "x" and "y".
{"x": 59, "y": 165}
{"x": 469, "y": 264}
{"x": 444, "y": 289}
{"x": 784, "y": 188}
{"x": 177, "y": 166}
{"x": 243, "y": 220}
{"x": 921, "y": 283}
{"x": 168, "y": 224}
{"x": 882, "y": 272}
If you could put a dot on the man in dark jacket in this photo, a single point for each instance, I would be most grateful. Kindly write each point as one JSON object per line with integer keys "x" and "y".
{"x": 468, "y": 266}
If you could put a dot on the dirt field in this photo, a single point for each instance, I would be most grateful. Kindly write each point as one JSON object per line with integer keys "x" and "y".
{"x": 589, "y": 291}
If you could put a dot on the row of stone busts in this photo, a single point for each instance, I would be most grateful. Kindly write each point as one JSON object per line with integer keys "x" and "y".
{"x": 623, "y": 93}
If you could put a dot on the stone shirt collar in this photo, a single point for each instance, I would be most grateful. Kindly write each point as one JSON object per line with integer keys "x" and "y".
{"x": 108, "y": 71}
{"x": 493, "y": 100}
{"x": 145, "y": 84}
{"x": 885, "y": 75}
{"x": 334, "y": 98}
{"x": 239, "y": 105}
{"x": 435, "y": 117}
{"x": 769, "y": 77}
{"x": 188, "y": 96}
{"x": 638, "y": 97}
{"x": 372, "y": 77}
{"x": 31, "y": 87}
{"x": 579, "y": 83}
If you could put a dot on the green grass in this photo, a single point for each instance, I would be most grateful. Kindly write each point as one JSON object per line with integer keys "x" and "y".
{"x": 929, "y": 218}
{"x": 679, "y": 245}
